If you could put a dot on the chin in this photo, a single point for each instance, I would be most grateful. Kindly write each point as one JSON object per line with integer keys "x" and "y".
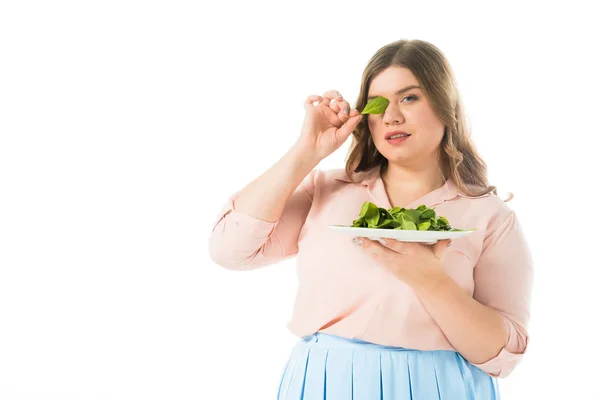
{"x": 396, "y": 158}
{"x": 396, "y": 151}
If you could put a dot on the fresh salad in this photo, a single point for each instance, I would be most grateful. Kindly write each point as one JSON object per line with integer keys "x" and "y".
{"x": 421, "y": 218}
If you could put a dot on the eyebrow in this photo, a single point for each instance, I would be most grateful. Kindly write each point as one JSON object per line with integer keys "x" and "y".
{"x": 399, "y": 92}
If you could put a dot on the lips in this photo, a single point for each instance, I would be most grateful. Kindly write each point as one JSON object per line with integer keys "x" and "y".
{"x": 389, "y": 134}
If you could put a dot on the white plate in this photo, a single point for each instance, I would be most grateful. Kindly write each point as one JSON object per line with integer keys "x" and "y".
{"x": 401, "y": 235}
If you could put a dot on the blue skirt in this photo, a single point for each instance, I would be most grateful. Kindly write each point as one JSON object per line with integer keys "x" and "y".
{"x": 330, "y": 367}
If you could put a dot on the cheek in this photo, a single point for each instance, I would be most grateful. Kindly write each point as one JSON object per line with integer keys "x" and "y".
{"x": 430, "y": 129}
{"x": 372, "y": 123}
{"x": 431, "y": 139}
{"x": 427, "y": 119}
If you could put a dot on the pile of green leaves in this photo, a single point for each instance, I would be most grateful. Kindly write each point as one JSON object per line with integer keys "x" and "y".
{"x": 421, "y": 218}
{"x": 376, "y": 106}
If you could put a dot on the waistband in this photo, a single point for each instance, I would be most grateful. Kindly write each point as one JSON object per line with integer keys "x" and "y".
{"x": 334, "y": 341}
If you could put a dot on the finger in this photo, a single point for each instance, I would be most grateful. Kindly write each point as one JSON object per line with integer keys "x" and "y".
{"x": 396, "y": 245}
{"x": 335, "y": 106}
{"x": 354, "y": 112}
{"x": 333, "y": 94}
{"x": 342, "y": 116}
{"x": 371, "y": 243}
{"x": 439, "y": 249}
{"x": 376, "y": 249}
{"x": 308, "y": 103}
{"x": 312, "y": 99}
{"x": 330, "y": 95}
{"x": 348, "y": 127}
{"x": 343, "y": 110}
{"x": 342, "y": 104}
{"x": 324, "y": 101}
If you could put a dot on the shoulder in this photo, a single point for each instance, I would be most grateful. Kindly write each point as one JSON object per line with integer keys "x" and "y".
{"x": 325, "y": 182}
{"x": 319, "y": 178}
{"x": 338, "y": 176}
{"x": 489, "y": 207}
{"x": 331, "y": 176}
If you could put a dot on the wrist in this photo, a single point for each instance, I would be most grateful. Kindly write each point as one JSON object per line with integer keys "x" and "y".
{"x": 431, "y": 282}
{"x": 305, "y": 155}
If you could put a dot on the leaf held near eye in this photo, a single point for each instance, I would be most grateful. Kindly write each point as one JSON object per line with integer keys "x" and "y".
{"x": 376, "y": 105}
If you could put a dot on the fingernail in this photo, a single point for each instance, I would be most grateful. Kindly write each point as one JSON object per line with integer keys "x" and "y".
{"x": 383, "y": 241}
{"x": 357, "y": 241}
{"x": 347, "y": 110}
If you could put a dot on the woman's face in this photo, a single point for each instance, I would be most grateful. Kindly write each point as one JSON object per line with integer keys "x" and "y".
{"x": 409, "y": 111}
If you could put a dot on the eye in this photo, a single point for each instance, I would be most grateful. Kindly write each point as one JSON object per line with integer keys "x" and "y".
{"x": 411, "y": 96}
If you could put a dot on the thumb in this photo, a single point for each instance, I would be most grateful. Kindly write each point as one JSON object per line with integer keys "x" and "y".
{"x": 439, "y": 249}
{"x": 349, "y": 126}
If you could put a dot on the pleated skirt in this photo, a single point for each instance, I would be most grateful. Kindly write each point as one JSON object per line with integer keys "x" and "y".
{"x": 330, "y": 367}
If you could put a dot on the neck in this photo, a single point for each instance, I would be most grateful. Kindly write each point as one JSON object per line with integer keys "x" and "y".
{"x": 422, "y": 178}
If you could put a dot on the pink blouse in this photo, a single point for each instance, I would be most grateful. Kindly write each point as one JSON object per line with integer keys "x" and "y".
{"x": 341, "y": 292}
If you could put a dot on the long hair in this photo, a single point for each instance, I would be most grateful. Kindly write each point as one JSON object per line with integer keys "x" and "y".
{"x": 458, "y": 158}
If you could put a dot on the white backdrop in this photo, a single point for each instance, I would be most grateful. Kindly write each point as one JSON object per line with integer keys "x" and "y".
{"x": 125, "y": 125}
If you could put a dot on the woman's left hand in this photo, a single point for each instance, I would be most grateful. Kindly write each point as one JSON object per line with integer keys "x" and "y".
{"x": 413, "y": 263}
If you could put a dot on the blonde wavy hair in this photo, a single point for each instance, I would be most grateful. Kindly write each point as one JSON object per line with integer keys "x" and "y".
{"x": 459, "y": 160}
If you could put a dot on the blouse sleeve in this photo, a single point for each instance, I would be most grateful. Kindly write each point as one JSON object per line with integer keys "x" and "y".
{"x": 503, "y": 281}
{"x": 240, "y": 241}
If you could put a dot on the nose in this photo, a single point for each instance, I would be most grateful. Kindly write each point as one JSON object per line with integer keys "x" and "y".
{"x": 392, "y": 115}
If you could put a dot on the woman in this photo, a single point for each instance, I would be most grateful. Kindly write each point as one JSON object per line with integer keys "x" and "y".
{"x": 389, "y": 320}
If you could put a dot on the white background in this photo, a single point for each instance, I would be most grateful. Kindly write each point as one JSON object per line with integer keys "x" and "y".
{"x": 126, "y": 125}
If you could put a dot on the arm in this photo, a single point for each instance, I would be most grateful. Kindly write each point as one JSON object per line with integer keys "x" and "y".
{"x": 474, "y": 330}
{"x": 489, "y": 329}
{"x": 260, "y": 225}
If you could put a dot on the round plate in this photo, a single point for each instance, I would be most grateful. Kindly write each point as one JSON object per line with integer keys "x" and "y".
{"x": 401, "y": 235}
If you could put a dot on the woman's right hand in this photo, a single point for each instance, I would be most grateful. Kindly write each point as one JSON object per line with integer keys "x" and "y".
{"x": 328, "y": 124}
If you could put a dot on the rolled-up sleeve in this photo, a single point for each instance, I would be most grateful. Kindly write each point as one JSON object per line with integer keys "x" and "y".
{"x": 240, "y": 241}
{"x": 503, "y": 281}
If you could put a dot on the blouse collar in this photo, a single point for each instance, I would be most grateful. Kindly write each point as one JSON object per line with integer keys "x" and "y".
{"x": 372, "y": 180}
